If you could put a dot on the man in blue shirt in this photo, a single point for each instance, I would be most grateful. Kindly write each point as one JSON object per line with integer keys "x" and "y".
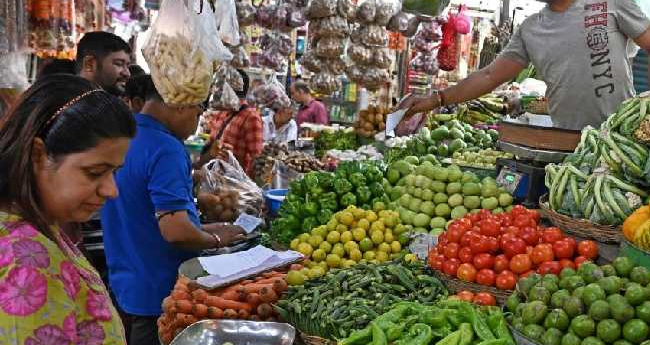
{"x": 153, "y": 226}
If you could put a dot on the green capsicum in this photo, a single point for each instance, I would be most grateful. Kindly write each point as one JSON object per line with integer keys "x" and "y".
{"x": 363, "y": 194}
{"x": 309, "y": 223}
{"x": 357, "y": 179}
{"x": 310, "y": 209}
{"x": 315, "y": 192}
{"x": 342, "y": 186}
{"x": 325, "y": 180}
{"x": 348, "y": 199}
{"x": 324, "y": 215}
{"x": 376, "y": 189}
{"x": 374, "y": 174}
{"x": 328, "y": 202}
{"x": 296, "y": 187}
{"x": 310, "y": 180}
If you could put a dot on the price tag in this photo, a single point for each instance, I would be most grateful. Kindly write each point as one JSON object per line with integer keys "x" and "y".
{"x": 421, "y": 244}
{"x": 248, "y": 222}
{"x": 509, "y": 179}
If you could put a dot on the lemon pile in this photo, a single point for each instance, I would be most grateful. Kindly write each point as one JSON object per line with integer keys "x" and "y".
{"x": 351, "y": 236}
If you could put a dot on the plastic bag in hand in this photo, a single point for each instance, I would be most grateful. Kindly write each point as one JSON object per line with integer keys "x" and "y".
{"x": 330, "y": 47}
{"x": 325, "y": 83}
{"x": 245, "y": 13}
{"x": 382, "y": 58}
{"x": 360, "y": 54}
{"x": 366, "y": 12}
{"x": 226, "y": 21}
{"x": 347, "y": 9}
{"x": 374, "y": 35}
{"x": 311, "y": 62}
{"x": 386, "y": 9}
{"x": 321, "y": 8}
{"x": 334, "y": 26}
{"x": 399, "y": 22}
{"x": 180, "y": 52}
{"x": 296, "y": 18}
{"x": 224, "y": 97}
{"x": 240, "y": 57}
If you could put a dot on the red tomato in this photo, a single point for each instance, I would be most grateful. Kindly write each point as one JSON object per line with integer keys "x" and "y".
{"x": 588, "y": 249}
{"x": 479, "y": 245}
{"x": 572, "y": 242}
{"x": 474, "y": 217}
{"x": 454, "y": 233}
{"x": 501, "y": 263}
{"x": 518, "y": 209}
{"x": 534, "y": 214}
{"x": 467, "y": 238}
{"x": 442, "y": 238}
{"x": 441, "y": 248}
{"x": 505, "y": 238}
{"x": 524, "y": 220}
{"x": 563, "y": 249}
{"x": 520, "y": 263}
{"x": 526, "y": 274}
{"x": 465, "y": 255}
{"x": 549, "y": 267}
{"x": 451, "y": 266}
{"x": 542, "y": 253}
{"x": 466, "y": 296}
{"x": 485, "y": 214}
{"x": 451, "y": 251}
{"x": 529, "y": 235}
{"x": 490, "y": 227}
{"x": 552, "y": 234}
{"x": 493, "y": 244}
{"x": 507, "y": 219}
{"x": 483, "y": 260}
{"x": 529, "y": 250}
{"x": 567, "y": 263}
{"x": 506, "y": 280}
{"x": 466, "y": 272}
{"x": 465, "y": 223}
{"x": 486, "y": 277}
{"x": 580, "y": 260}
{"x": 513, "y": 247}
{"x": 484, "y": 298}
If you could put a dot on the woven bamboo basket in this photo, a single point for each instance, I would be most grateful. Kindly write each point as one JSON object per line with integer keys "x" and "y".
{"x": 581, "y": 227}
{"x": 314, "y": 340}
{"x": 456, "y": 285}
{"x": 521, "y": 339}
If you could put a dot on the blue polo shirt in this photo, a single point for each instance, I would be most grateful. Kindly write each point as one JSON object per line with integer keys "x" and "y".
{"x": 156, "y": 175}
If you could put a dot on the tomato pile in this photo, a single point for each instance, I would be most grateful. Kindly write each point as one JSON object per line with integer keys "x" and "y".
{"x": 498, "y": 249}
{"x": 480, "y": 298}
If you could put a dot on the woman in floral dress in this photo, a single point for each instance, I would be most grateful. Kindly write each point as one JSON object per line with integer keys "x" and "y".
{"x": 59, "y": 148}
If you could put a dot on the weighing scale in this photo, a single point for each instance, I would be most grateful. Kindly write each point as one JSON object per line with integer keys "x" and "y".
{"x": 524, "y": 177}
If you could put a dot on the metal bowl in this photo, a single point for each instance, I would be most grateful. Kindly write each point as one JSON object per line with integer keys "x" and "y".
{"x": 218, "y": 332}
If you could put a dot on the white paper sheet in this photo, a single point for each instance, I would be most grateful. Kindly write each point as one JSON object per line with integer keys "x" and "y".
{"x": 248, "y": 222}
{"x": 392, "y": 120}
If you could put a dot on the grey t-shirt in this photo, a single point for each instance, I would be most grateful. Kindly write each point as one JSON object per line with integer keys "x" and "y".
{"x": 582, "y": 55}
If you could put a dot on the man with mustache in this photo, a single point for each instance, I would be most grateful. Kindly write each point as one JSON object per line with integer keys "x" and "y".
{"x": 104, "y": 58}
{"x": 580, "y": 48}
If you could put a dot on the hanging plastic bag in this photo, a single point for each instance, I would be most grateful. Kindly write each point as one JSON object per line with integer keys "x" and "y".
{"x": 321, "y": 8}
{"x": 297, "y": 18}
{"x": 245, "y": 14}
{"x": 223, "y": 98}
{"x": 273, "y": 59}
{"x": 374, "y": 35}
{"x": 382, "y": 58}
{"x": 226, "y": 21}
{"x": 335, "y": 65}
{"x": 271, "y": 93}
{"x": 462, "y": 23}
{"x": 13, "y": 71}
{"x": 331, "y": 26}
{"x": 386, "y": 9}
{"x": 180, "y": 51}
{"x": 360, "y": 54}
{"x": 448, "y": 53}
{"x": 346, "y": 9}
{"x": 325, "y": 82}
{"x": 311, "y": 62}
{"x": 375, "y": 78}
{"x": 366, "y": 12}
{"x": 229, "y": 74}
{"x": 240, "y": 57}
{"x": 398, "y": 22}
{"x": 354, "y": 73}
{"x": 265, "y": 16}
{"x": 330, "y": 47}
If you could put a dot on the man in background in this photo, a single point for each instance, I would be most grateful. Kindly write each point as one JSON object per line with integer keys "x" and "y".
{"x": 104, "y": 58}
{"x": 280, "y": 127}
{"x": 311, "y": 110}
{"x": 135, "y": 92}
{"x": 56, "y": 66}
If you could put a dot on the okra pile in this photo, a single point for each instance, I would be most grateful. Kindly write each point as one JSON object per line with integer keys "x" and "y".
{"x": 345, "y": 300}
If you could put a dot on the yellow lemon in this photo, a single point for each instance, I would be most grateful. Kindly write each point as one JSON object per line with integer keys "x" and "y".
{"x": 371, "y": 216}
{"x": 338, "y": 250}
{"x": 384, "y": 213}
{"x": 369, "y": 255}
{"x": 395, "y": 247}
{"x": 331, "y": 225}
{"x": 382, "y": 256}
{"x": 388, "y": 237}
{"x": 359, "y": 213}
{"x": 363, "y": 224}
{"x": 325, "y": 246}
{"x": 399, "y": 229}
{"x": 320, "y": 231}
{"x": 305, "y": 249}
{"x": 304, "y": 237}
{"x": 316, "y": 272}
{"x": 391, "y": 221}
{"x": 349, "y": 245}
{"x": 315, "y": 240}
{"x": 377, "y": 237}
{"x": 377, "y": 226}
{"x": 341, "y": 228}
{"x": 346, "y": 218}
{"x": 295, "y": 278}
{"x": 346, "y": 236}
{"x": 358, "y": 234}
{"x": 410, "y": 258}
{"x": 318, "y": 255}
{"x": 348, "y": 263}
{"x": 333, "y": 261}
{"x": 355, "y": 254}
{"x": 294, "y": 243}
{"x": 333, "y": 237}
{"x": 384, "y": 248}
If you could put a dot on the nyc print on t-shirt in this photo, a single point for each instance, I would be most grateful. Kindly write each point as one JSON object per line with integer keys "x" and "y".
{"x": 596, "y": 28}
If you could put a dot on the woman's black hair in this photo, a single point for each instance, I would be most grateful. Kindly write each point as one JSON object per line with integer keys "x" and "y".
{"x": 77, "y": 127}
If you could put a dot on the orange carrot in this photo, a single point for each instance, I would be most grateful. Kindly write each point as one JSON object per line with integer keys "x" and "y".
{"x": 219, "y": 302}
{"x": 168, "y": 302}
{"x": 235, "y": 287}
{"x": 247, "y": 282}
{"x": 264, "y": 310}
{"x": 184, "y": 280}
{"x": 200, "y": 311}
{"x": 268, "y": 295}
{"x": 184, "y": 306}
{"x": 255, "y": 288}
{"x": 231, "y": 295}
{"x": 180, "y": 295}
{"x": 229, "y": 314}
{"x": 199, "y": 295}
{"x": 215, "y": 313}
{"x": 270, "y": 280}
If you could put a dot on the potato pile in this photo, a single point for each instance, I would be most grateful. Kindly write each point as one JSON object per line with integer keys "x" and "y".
{"x": 371, "y": 121}
{"x": 303, "y": 163}
{"x": 221, "y": 206}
